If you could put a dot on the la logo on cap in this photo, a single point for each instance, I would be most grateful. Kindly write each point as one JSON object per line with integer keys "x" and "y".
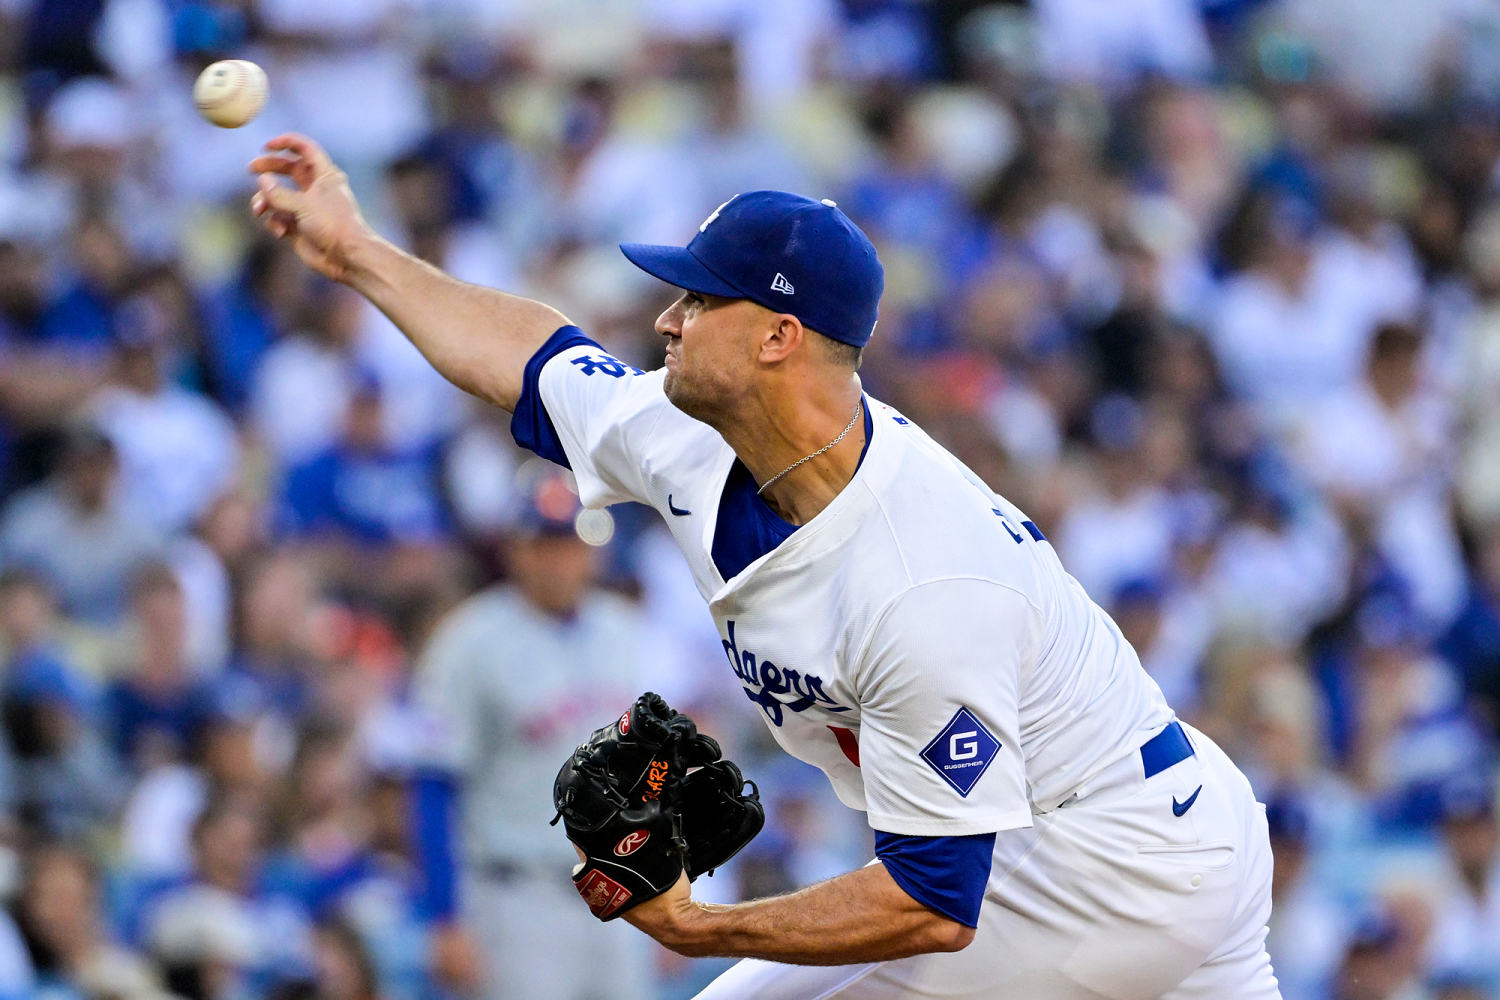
{"x": 780, "y": 284}
{"x": 715, "y": 214}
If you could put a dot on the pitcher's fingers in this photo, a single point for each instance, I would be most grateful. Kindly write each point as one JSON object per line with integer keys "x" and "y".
{"x": 308, "y": 150}
{"x": 274, "y": 165}
{"x": 273, "y": 197}
{"x": 277, "y": 223}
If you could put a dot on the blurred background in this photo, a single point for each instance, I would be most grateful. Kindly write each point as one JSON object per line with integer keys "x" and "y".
{"x": 1210, "y": 288}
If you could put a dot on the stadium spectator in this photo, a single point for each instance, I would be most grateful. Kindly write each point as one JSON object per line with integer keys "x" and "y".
{"x": 1381, "y": 448}
{"x": 83, "y": 318}
{"x": 1373, "y": 967}
{"x": 178, "y": 450}
{"x": 62, "y": 779}
{"x": 62, "y": 919}
{"x": 248, "y": 315}
{"x": 344, "y": 969}
{"x": 228, "y": 760}
{"x": 301, "y": 388}
{"x": 77, "y": 532}
{"x": 372, "y": 511}
{"x": 1467, "y": 909}
{"x": 207, "y": 564}
{"x": 157, "y": 706}
{"x": 223, "y": 930}
{"x": 1307, "y": 926}
{"x": 273, "y": 648}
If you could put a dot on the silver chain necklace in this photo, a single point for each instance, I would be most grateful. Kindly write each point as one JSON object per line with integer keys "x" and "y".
{"x": 858, "y": 408}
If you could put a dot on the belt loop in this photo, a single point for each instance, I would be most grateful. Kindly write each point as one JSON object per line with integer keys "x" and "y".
{"x": 1168, "y": 747}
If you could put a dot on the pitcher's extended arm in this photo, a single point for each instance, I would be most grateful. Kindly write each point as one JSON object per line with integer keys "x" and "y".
{"x": 478, "y": 338}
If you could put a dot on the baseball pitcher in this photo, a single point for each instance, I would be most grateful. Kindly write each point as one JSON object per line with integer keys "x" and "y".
{"x": 1044, "y": 827}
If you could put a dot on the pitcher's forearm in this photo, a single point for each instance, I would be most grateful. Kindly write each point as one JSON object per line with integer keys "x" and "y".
{"x": 477, "y": 338}
{"x": 862, "y": 916}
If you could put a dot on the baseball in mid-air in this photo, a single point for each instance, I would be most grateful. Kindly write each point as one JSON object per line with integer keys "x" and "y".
{"x": 230, "y": 92}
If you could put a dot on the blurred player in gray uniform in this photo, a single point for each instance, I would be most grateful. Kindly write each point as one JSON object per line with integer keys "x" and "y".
{"x": 506, "y": 684}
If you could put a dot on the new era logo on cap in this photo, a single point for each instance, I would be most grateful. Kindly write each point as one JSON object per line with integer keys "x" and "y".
{"x": 780, "y": 284}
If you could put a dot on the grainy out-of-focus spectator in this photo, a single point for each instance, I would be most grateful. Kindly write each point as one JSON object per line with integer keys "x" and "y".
{"x": 178, "y": 450}
{"x": 1467, "y": 908}
{"x": 61, "y": 773}
{"x": 76, "y": 530}
{"x": 61, "y": 915}
{"x": 157, "y": 705}
{"x": 224, "y": 930}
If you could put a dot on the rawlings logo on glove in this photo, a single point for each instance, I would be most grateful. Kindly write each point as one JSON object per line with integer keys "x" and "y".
{"x": 646, "y": 798}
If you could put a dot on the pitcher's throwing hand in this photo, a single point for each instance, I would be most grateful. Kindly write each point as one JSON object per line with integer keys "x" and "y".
{"x": 316, "y": 211}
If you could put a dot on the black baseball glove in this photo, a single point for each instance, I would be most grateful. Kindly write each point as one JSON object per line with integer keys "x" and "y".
{"x": 646, "y": 798}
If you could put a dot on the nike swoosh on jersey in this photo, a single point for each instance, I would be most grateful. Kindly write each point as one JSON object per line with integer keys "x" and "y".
{"x": 676, "y": 510}
{"x": 1178, "y": 808}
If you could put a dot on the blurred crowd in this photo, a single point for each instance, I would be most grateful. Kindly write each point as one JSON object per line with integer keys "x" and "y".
{"x": 1210, "y": 288}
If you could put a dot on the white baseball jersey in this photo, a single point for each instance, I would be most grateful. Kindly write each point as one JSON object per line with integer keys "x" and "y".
{"x": 917, "y": 640}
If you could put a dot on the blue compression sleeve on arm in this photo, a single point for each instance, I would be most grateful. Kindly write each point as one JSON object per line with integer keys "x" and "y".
{"x": 530, "y": 425}
{"x": 434, "y": 799}
{"x": 946, "y": 874}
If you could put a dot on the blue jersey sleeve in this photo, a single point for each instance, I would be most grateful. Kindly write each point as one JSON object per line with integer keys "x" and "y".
{"x": 434, "y": 799}
{"x": 946, "y": 874}
{"x": 530, "y": 425}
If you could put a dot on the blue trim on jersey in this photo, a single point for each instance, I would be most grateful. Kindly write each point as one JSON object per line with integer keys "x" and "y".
{"x": 946, "y": 874}
{"x": 530, "y": 425}
{"x": 747, "y": 527}
{"x": 434, "y": 800}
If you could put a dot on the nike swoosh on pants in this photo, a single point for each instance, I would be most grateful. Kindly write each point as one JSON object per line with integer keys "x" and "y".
{"x": 1178, "y": 808}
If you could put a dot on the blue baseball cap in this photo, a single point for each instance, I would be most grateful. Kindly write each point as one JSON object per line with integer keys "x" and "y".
{"x": 788, "y": 253}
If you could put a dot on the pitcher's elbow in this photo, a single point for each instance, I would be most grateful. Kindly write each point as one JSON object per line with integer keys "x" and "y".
{"x": 945, "y": 934}
{"x": 960, "y": 937}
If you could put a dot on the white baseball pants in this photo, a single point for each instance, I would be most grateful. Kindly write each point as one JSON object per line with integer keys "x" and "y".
{"x": 1113, "y": 896}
